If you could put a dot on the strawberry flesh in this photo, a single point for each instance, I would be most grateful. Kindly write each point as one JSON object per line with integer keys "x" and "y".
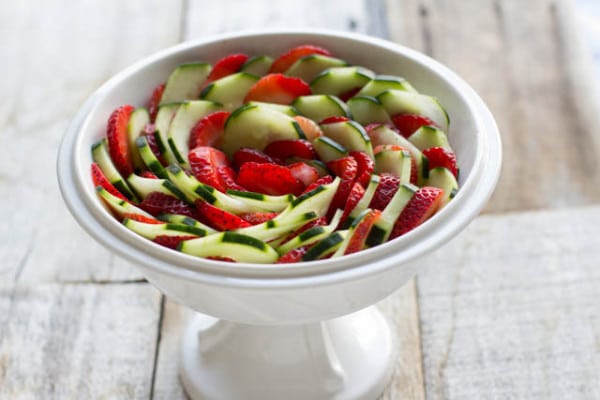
{"x": 284, "y": 149}
{"x": 100, "y": 179}
{"x": 311, "y": 129}
{"x": 407, "y": 124}
{"x": 440, "y": 157}
{"x": 256, "y": 218}
{"x": 247, "y": 154}
{"x": 269, "y": 179}
{"x": 286, "y": 60}
{"x": 421, "y": 206}
{"x": 204, "y": 162}
{"x": 304, "y": 172}
{"x": 172, "y": 242}
{"x": 219, "y": 219}
{"x": 333, "y": 119}
{"x": 361, "y": 232}
{"x": 154, "y": 101}
{"x": 356, "y": 193}
{"x": 277, "y": 88}
{"x": 209, "y": 130}
{"x": 346, "y": 168}
{"x": 325, "y": 180}
{"x": 157, "y": 203}
{"x": 387, "y": 187}
{"x": 365, "y": 167}
{"x": 118, "y": 142}
{"x": 293, "y": 256}
{"x": 227, "y": 65}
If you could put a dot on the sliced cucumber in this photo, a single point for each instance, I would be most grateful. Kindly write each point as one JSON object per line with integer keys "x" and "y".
{"x": 239, "y": 247}
{"x": 395, "y": 162}
{"x": 307, "y": 68}
{"x": 381, "y": 83}
{"x": 364, "y": 201}
{"x": 366, "y": 110}
{"x": 102, "y": 158}
{"x": 257, "y": 65}
{"x": 399, "y": 101}
{"x": 119, "y": 206}
{"x": 317, "y": 200}
{"x": 282, "y": 108}
{"x": 320, "y": 106}
{"x": 149, "y": 158}
{"x": 281, "y": 225}
{"x": 256, "y": 126}
{"x": 340, "y": 80}
{"x": 351, "y": 229}
{"x": 185, "y": 82}
{"x": 135, "y": 127}
{"x": 349, "y": 134}
{"x": 325, "y": 246}
{"x": 188, "y": 114}
{"x": 328, "y": 149}
{"x": 144, "y": 186}
{"x": 185, "y": 220}
{"x": 262, "y": 201}
{"x": 381, "y": 230}
{"x": 164, "y": 116}
{"x": 311, "y": 235}
{"x": 442, "y": 178}
{"x": 229, "y": 90}
{"x": 429, "y": 136}
{"x": 151, "y": 231}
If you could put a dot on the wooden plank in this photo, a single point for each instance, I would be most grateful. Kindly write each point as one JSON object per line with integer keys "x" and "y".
{"x": 510, "y": 309}
{"x": 64, "y": 51}
{"x": 77, "y": 341}
{"x": 529, "y": 65}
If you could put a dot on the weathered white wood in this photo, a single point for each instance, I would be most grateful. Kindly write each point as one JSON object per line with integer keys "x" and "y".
{"x": 528, "y": 64}
{"x": 509, "y": 310}
{"x": 77, "y": 341}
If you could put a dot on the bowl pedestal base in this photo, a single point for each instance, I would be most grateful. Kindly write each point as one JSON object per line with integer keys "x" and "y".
{"x": 350, "y": 357}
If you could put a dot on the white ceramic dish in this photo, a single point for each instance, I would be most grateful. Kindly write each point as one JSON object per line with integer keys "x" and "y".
{"x": 305, "y": 293}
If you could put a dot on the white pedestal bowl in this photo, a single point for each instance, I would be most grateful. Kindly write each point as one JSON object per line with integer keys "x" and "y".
{"x": 302, "y": 331}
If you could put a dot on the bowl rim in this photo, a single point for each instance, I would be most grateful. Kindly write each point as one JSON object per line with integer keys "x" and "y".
{"x": 454, "y": 217}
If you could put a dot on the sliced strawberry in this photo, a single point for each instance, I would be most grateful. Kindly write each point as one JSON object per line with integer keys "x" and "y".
{"x": 150, "y": 134}
{"x": 286, "y": 60}
{"x": 221, "y": 258}
{"x": 204, "y": 162}
{"x": 227, "y": 65}
{"x": 227, "y": 178}
{"x": 270, "y": 179}
{"x": 407, "y": 124}
{"x": 321, "y": 221}
{"x": 118, "y": 142}
{"x": 304, "y": 172}
{"x": 387, "y": 187}
{"x": 361, "y": 232}
{"x": 325, "y": 180}
{"x": 156, "y": 203}
{"x": 171, "y": 242}
{"x": 334, "y": 119}
{"x": 349, "y": 94}
{"x": 256, "y": 218}
{"x": 356, "y": 193}
{"x": 311, "y": 129}
{"x": 277, "y": 88}
{"x": 209, "y": 130}
{"x": 365, "y": 166}
{"x": 148, "y": 175}
{"x": 346, "y": 168}
{"x": 421, "y": 206}
{"x": 100, "y": 179}
{"x": 142, "y": 218}
{"x": 246, "y": 154}
{"x": 219, "y": 219}
{"x": 283, "y": 149}
{"x": 293, "y": 256}
{"x": 154, "y": 101}
{"x": 440, "y": 157}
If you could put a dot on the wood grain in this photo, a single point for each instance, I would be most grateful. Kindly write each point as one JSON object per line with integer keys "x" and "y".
{"x": 510, "y": 309}
{"x": 77, "y": 341}
{"x": 528, "y": 64}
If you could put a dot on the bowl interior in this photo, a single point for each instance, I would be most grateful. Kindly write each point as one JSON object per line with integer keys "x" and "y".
{"x": 467, "y": 135}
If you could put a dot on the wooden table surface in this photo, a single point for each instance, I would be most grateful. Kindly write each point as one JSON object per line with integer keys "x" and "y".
{"x": 507, "y": 310}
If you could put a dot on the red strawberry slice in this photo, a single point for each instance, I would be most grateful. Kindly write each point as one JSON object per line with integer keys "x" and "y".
{"x": 407, "y": 124}
{"x": 154, "y": 101}
{"x": 227, "y": 65}
{"x": 156, "y": 203}
{"x": 325, "y": 180}
{"x": 277, "y": 88}
{"x": 304, "y": 172}
{"x": 219, "y": 219}
{"x": 310, "y": 128}
{"x": 349, "y": 94}
{"x": 204, "y": 162}
{"x": 361, "y": 232}
{"x": 421, "y": 206}
{"x": 365, "y": 167}
{"x": 171, "y": 242}
{"x": 221, "y": 258}
{"x": 440, "y": 157}
{"x": 150, "y": 134}
{"x": 142, "y": 218}
{"x": 334, "y": 119}
{"x": 293, "y": 256}
{"x": 148, "y": 175}
{"x": 387, "y": 187}
{"x": 270, "y": 179}
{"x": 256, "y": 218}
{"x": 227, "y": 178}
{"x": 356, "y": 193}
{"x": 346, "y": 168}
{"x": 246, "y": 154}
{"x": 209, "y": 130}
{"x": 283, "y": 149}
{"x": 100, "y": 179}
{"x": 321, "y": 221}
{"x": 286, "y": 60}
{"x": 118, "y": 142}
